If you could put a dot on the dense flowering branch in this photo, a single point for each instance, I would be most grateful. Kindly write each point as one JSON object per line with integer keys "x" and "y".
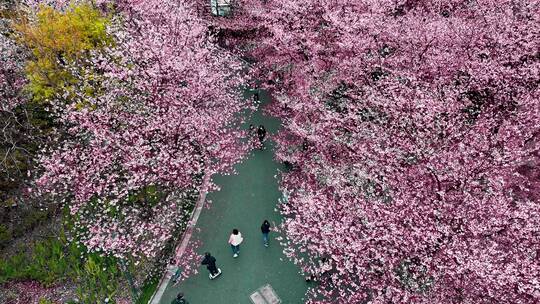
{"x": 411, "y": 128}
{"x": 165, "y": 113}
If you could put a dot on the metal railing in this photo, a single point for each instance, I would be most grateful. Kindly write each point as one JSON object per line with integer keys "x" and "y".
{"x": 221, "y": 8}
{"x": 218, "y": 8}
{"x": 226, "y": 8}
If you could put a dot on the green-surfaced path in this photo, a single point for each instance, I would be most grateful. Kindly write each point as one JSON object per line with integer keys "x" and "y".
{"x": 243, "y": 202}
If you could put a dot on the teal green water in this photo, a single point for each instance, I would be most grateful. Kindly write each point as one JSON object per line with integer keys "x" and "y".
{"x": 243, "y": 202}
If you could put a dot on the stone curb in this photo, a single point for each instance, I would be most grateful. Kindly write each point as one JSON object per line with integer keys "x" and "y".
{"x": 181, "y": 248}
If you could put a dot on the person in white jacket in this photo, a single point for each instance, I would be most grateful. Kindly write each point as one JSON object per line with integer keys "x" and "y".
{"x": 235, "y": 240}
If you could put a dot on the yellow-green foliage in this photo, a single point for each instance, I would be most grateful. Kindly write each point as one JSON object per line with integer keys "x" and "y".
{"x": 57, "y": 39}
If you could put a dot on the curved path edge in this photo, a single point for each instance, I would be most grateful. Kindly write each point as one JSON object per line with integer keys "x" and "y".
{"x": 181, "y": 248}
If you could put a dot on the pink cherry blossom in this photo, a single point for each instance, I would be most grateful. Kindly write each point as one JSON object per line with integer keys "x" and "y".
{"x": 411, "y": 129}
{"x": 167, "y": 113}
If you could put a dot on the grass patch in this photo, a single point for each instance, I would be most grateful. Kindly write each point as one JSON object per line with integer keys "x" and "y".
{"x": 48, "y": 261}
{"x": 147, "y": 291}
{"x": 55, "y": 260}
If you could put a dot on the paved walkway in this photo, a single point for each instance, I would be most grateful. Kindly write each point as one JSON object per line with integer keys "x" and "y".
{"x": 245, "y": 200}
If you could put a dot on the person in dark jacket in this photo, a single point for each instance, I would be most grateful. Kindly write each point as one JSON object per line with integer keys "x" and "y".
{"x": 265, "y": 229}
{"x": 180, "y": 299}
{"x": 210, "y": 263}
{"x": 261, "y": 133}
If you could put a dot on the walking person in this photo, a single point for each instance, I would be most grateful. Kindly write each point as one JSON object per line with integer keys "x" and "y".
{"x": 210, "y": 263}
{"x": 176, "y": 276}
{"x": 180, "y": 299}
{"x": 265, "y": 229}
{"x": 261, "y": 133}
{"x": 235, "y": 240}
{"x": 256, "y": 97}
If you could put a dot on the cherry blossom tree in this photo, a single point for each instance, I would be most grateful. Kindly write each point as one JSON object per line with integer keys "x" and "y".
{"x": 11, "y": 82}
{"x": 411, "y": 129}
{"x": 22, "y": 124}
{"x": 165, "y": 113}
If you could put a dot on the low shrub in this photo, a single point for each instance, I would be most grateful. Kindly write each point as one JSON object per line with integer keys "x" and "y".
{"x": 5, "y": 236}
{"x": 53, "y": 261}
